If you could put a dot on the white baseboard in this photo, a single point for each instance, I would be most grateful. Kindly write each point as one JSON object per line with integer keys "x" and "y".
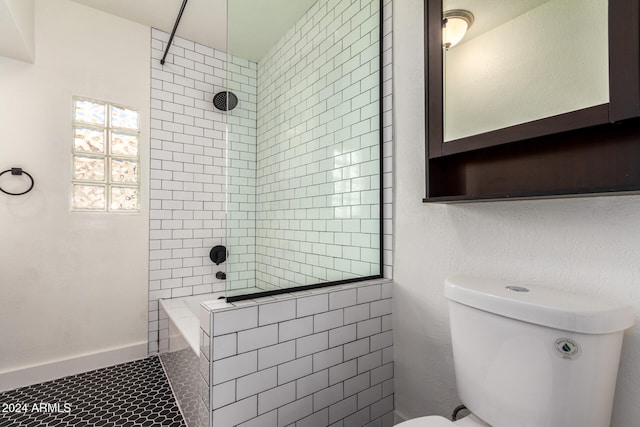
{"x": 55, "y": 369}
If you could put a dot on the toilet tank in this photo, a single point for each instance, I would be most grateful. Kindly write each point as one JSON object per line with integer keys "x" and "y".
{"x": 527, "y": 356}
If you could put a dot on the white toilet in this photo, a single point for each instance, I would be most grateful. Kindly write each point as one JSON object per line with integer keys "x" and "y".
{"x": 530, "y": 356}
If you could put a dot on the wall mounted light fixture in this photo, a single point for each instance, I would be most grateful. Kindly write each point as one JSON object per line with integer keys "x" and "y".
{"x": 455, "y": 24}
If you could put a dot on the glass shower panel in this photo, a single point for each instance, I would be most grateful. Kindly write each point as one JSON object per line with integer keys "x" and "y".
{"x": 241, "y": 176}
{"x": 303, "y": 153}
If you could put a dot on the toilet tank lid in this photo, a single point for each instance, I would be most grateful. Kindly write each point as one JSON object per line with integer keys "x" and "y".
{"x": 539, "y": 305}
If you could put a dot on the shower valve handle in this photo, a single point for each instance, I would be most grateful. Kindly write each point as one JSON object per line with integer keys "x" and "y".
{"x": 218, "y": 254}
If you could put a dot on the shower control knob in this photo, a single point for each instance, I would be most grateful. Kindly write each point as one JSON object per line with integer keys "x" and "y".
{"x": 218, "y": 254}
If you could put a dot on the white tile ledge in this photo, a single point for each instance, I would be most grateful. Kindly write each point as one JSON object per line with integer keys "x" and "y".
{"x": 183, "y": 312}
{"x": 220, "y": 306}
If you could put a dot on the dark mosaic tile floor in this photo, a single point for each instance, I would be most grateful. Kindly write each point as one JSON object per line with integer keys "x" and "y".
{"x": 182, "y": 369}
{"x": 128, "y": 395}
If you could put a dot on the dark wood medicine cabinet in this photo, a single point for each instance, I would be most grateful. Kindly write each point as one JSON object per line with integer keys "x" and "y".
{"x": 592, "y": 151}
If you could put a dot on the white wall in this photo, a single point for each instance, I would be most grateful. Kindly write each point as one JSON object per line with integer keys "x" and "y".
{"x": 587, "y": 245}
{"x": 70, "y": 283}
{"x": 16, "y": 29}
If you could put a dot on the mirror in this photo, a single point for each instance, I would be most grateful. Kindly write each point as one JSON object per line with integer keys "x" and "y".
{"x": 524, "y": 60}
{"x": 303, "y": 143}
{"x": 562, "y": 96}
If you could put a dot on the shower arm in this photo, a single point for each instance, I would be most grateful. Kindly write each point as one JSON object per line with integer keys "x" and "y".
{"x": 173, "y": 33}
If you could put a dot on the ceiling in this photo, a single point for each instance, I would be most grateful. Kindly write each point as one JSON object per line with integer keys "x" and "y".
{"x": 203, "y": 21}
{"x": 256, "y": 24}
{"x": 489, "y": 14}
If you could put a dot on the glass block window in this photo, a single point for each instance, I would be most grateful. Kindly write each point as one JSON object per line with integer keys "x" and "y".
{"x": 105, "y": 157}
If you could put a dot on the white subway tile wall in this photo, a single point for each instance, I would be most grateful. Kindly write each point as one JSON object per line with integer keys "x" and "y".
{"x": 318, "y": 149}
{"x": 312, "y": 364}
{"x": 188, "y": 182}
{"x": 387, "y": 138}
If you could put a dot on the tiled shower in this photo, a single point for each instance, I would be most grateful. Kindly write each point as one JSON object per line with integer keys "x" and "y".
{"x": 293, "y": 207}
{"x": 290, "y": 182}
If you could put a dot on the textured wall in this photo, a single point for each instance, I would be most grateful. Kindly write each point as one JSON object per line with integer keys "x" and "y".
{"x": 71, "y": 268}
{"x": 306, "y": 359}
{"x": 586, "y": 245}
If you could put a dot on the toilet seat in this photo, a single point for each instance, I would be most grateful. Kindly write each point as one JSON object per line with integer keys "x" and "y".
{"x": 431, "y": 421}
{"x": 434, "y": 421}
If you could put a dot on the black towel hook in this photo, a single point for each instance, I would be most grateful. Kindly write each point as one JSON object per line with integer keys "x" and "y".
{"x": 18, "y": 171}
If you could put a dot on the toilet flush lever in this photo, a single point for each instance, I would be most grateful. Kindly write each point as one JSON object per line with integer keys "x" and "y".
{"x": 516, "y": 288}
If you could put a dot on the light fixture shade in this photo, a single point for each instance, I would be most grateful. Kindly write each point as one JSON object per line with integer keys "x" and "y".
{"x": 454, "y": 26}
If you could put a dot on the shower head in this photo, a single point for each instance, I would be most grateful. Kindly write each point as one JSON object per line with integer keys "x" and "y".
{"x": 225, "y": 101}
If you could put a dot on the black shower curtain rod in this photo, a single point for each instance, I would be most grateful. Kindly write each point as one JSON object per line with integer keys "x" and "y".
{"x": 173, "y": 33}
